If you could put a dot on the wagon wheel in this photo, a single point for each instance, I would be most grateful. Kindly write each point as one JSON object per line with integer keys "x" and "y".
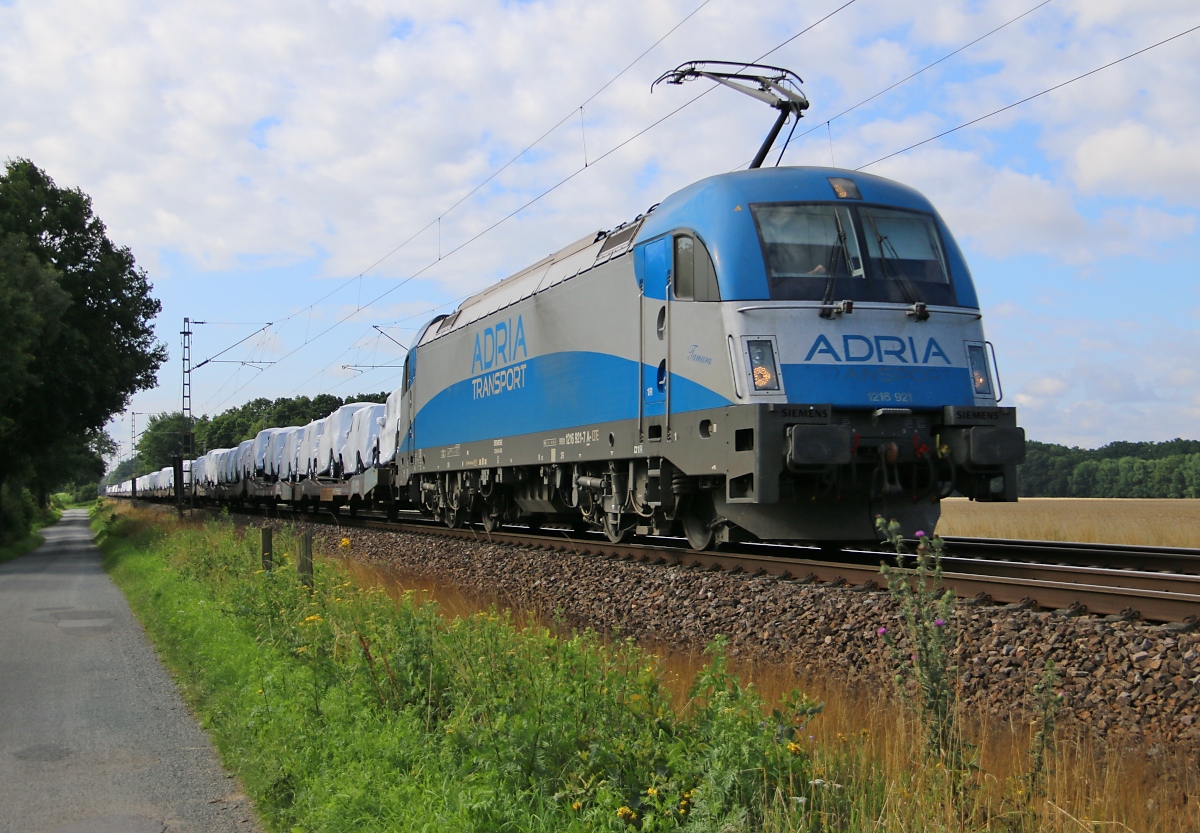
{"x": 613, "y": 531}
{"x": 697, "y": 522}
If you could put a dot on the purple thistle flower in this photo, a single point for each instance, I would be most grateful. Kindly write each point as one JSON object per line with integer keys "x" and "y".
{"x": 920, "y": 533}
{"x": 937, "y": 623}
{"x": 882, "y": 631}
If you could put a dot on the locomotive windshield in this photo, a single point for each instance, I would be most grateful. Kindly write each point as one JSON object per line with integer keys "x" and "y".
{"x": 813, "y": 252}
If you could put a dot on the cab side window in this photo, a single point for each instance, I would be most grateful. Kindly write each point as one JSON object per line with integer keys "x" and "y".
{"x": 694, "y": 277}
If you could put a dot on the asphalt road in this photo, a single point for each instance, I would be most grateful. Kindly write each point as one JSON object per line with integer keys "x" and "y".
{"x": 94, "y": 737}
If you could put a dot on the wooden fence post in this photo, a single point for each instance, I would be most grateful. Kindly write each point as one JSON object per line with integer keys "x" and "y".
{"x": 268, "y": 554}
{"x": 305, "y": 565}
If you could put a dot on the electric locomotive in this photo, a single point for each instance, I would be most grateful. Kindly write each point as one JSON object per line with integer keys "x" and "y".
{"x": 780, "y": 353}
{"x": 776, "y": 353}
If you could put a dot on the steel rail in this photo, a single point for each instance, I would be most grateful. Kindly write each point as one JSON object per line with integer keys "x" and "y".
{"x": 1114, "y": 556}
{"x": 1069, "y": 589}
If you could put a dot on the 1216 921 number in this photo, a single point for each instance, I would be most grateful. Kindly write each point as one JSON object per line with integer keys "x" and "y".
{"x": 889, "y": 396}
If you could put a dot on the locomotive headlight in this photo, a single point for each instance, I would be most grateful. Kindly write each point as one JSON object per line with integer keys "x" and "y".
{"x": 980, "y": 376}
{"x": 762, "y": 365}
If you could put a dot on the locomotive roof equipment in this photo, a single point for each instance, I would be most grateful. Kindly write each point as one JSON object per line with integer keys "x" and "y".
{"x": 777, "y": 86}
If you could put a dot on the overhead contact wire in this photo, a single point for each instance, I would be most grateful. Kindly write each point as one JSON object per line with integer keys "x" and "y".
{"x": 549, "y": 190}
{"x": 1029, "y": 98}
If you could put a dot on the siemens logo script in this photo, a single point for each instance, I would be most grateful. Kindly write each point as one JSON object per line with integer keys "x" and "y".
{"x": 880, "y": 349}
{"x": 499, "y": 345}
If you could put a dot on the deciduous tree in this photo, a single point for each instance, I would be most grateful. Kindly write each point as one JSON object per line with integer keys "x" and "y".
{"x": 94, "y": 345}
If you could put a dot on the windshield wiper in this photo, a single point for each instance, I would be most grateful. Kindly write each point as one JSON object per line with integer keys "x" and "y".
{"x": 827, "y": 305}
{"x": 887, "y": 253}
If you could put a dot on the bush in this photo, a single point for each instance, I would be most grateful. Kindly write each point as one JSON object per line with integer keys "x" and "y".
{"x": 17, "y": 512}
{"x": 82, "y": 493}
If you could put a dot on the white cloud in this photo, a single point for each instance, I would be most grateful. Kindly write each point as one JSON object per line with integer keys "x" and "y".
{"x": 1047, "y": 386}
{"x": 254, "y": 137}
{"x": 1134, "y": 160}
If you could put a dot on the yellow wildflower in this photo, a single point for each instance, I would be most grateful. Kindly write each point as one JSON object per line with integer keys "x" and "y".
{"x": 301, "y": 649}
{"x": 316, "y": 617}
{"x": 651, "y": 791}
{"x": 576, "y": 806}
{"x": 345, "y": 544}
{"x": 794, "y": 748}
{"x": 625, "y": 814}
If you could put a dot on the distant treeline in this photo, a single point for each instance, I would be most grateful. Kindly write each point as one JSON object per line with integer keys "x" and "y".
{"x": 1168, "y": 469}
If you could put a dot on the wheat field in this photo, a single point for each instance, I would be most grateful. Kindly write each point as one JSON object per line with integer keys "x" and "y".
{"x": 1162, "y": 523}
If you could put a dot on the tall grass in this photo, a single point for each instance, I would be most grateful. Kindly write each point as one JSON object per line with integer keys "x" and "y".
{"x": 865, "y": 736}
{"x": 344, "y": 709}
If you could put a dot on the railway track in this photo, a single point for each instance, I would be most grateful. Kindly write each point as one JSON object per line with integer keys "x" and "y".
{"x": 1113, "y": 556}
{"x": 1147, "y": 583}
{"x": 1156, "y": 584}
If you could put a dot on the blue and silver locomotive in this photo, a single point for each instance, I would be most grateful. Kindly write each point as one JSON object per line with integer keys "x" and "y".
{"x": 780, "y": 353}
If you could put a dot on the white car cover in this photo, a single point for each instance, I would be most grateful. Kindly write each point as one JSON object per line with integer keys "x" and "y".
{"x": 216, "y": 466}
{"x": 362, "y": 445}
{"x": 330, "y": 448}
{"x": 274, "y": 467}
{"x": 245, "y": 461}
{"x": 288, "y": 466}
{"x": 229, "y": 466}
{"x": 261, "y": 449}
{"x": 197, "y": 468}
{"x": 308, "y": 447}
{"x": 391, "y": 426}
{"x": 163, "y": 480}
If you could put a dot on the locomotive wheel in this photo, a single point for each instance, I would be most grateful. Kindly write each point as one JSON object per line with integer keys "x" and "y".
{"x": 454, "y": 518}
{"x": 697, "y": 522}
{"x": 613, "y": 532}
{"x": 490, "y": 522}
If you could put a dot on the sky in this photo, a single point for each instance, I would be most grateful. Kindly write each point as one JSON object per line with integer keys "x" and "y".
{"x": 345, "y": 170}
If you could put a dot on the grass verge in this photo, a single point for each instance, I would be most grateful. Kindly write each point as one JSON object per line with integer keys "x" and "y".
{"x": 342, "y": 710}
